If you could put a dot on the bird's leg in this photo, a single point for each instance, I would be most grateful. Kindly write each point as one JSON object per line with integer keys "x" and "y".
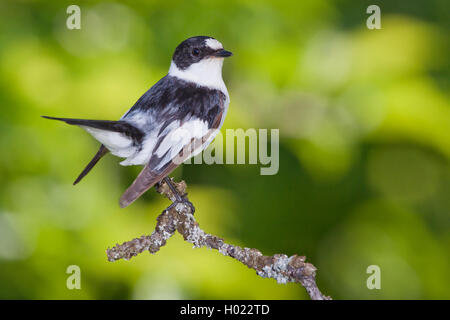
{"x": 173, "y": 189}
{"x": 178, "y": 198}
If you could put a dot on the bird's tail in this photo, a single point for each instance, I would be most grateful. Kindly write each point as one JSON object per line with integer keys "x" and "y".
{"x": 101, "y": 152}
{"x": 107, "y": 125}
{"x": 119, "y": 137}
{"x": 107, "y": 133}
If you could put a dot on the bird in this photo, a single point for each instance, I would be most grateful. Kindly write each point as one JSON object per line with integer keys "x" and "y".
{"x": 177, "y": 118}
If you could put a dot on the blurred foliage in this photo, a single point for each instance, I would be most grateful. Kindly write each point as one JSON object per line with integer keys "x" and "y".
{"x": 364, "y": 120}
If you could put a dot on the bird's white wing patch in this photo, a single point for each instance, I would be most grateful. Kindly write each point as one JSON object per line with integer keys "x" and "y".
{"x": 117, "y": 143}
{"x": 179, "y": 138}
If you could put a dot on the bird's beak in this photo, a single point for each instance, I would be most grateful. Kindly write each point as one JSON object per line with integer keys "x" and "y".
{"x": 222, "y": 53}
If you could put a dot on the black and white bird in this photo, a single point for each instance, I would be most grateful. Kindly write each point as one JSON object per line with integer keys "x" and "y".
{"x": 174, "y": 120}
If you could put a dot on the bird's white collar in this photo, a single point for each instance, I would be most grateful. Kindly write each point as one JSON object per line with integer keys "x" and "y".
{"x": 206, "y": 73}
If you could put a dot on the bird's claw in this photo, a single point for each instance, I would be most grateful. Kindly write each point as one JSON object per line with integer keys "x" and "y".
{"x": 185, "y": 202}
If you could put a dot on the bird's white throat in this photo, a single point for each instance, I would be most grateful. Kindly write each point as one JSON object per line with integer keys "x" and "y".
{"x": 207, "y": 73}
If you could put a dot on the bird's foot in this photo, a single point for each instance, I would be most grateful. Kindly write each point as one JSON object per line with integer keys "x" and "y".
{"x": 185, "y": 202}
{"x": 178, "y": 198}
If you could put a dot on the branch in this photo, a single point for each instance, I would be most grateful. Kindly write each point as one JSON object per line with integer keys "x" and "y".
{"x": 180, "y": 218}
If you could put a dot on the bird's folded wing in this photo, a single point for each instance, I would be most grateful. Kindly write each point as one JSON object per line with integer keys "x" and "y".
{"x": 145, "y": 180}
{"x": 171, "y": 149}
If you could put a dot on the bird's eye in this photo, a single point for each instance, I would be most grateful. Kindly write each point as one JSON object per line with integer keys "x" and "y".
{"x": 195, "y": 52}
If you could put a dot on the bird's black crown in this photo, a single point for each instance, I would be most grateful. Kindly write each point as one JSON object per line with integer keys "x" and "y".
{"x": 193, "y": 50}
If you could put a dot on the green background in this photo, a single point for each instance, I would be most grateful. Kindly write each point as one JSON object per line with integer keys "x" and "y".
{"x": 364, "y": 124}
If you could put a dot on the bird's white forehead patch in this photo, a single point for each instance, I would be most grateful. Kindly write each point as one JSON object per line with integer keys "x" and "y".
{"x": 213, "y": 44}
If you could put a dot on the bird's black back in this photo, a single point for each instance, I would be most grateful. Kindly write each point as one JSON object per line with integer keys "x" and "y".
{"x": 175, "y": 99}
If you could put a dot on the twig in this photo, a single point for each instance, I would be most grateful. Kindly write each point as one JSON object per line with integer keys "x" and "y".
{"x": 180, "y": 218}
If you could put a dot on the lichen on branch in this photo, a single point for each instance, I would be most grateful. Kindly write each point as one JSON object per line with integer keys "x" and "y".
{"x": 180, "y": 218}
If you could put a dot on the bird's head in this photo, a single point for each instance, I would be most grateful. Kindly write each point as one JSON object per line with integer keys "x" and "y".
{"x": 199, "y": 59}
{"x": 197, "y": 50}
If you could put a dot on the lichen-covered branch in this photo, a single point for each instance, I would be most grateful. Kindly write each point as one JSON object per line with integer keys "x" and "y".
{"x": 180, "y": 218}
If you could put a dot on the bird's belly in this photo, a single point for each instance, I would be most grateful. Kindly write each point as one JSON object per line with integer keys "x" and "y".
{"x": 142, "y": 153}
